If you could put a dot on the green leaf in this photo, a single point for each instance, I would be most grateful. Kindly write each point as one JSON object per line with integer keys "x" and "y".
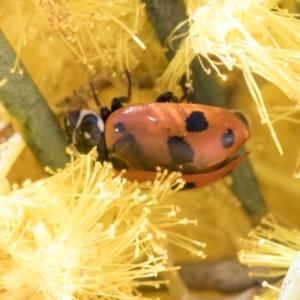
{"x": 24, "y": 102}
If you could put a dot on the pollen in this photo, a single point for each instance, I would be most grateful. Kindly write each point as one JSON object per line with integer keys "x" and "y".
{"x": 86, "y": 233}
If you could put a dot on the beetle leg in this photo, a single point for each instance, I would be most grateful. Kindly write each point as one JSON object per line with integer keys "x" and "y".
{"x": 104, "y": 113}
{"x": 129, "y": 86}
{"x": 170, "y": 97}
{"x": 167, "y": 97}
{"x": 116, "y": 103}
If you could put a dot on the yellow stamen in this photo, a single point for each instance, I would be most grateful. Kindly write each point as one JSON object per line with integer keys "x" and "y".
{"x": 272, "y": 246}
{"x": 85, "y": 231}
{"x": 3, "y": 82}
{"x": 244, "y": 34}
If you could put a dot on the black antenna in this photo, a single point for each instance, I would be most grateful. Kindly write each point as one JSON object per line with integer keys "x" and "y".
{"x": 129, "y": 87}
{"x": 95, "y": 95}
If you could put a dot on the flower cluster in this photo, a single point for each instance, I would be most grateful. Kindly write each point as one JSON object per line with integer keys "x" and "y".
{"x": 84, "y": 233}
{"x": 101, "y": 34}
{"x": 246, "y": 35}
{"x": 273, "y": 248}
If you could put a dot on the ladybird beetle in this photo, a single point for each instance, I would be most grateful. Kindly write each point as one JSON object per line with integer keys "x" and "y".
{"x": 197, "y": 140}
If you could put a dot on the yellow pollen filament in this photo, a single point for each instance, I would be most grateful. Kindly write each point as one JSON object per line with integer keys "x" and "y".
{"x": 276, "y": 248}
{"x": 243, "y": 34}
{"x": 3, "y": 82}
{"x": 86, "y": 231}
{"x": 83, "y": 28}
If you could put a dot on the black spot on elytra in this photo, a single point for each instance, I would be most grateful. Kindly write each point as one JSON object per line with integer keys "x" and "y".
{"x": 190, "y": 169}
{"x": 130, "y": 152}
{"x": 180, "y": 151}
{"x": 228, "y": 138}
{"x": 119, "y": 127}
{"x": 196, "y": 122}
{"x": 127, "y": 140}
{"x": 118, "y": 163}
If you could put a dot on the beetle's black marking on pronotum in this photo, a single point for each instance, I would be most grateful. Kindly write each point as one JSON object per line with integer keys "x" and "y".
{"x": 89, "y": 135}
{"x": 227, "y": 138}
{"x": 119, "y": 127}
{"x": 196, "y": 122}
{"x": 72, "y": 118}
{"x": 70, "y": 121}
{"x": 88, "y": 130}
{"x": 180, "y": 151}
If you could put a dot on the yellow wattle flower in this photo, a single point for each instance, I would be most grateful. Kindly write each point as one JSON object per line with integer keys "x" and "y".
{"x": 275, "y": 248}
{"x": 74, "y": 42}
{"x": 94, "y": 31}
{"x": 84, "y": 233}
{"x": 255, "y": 36}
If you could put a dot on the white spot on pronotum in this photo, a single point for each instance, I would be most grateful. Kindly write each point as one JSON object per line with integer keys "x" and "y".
{"x": 87, "y": 135}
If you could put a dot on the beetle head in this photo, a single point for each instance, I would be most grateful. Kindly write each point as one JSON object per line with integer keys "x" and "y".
{"x": 85, "y": 130}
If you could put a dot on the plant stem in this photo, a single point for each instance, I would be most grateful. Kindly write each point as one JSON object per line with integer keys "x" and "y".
{"x": 165, "y": 15}
{"x": 25, "y": 103}
{"x": 245, "y": 186}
